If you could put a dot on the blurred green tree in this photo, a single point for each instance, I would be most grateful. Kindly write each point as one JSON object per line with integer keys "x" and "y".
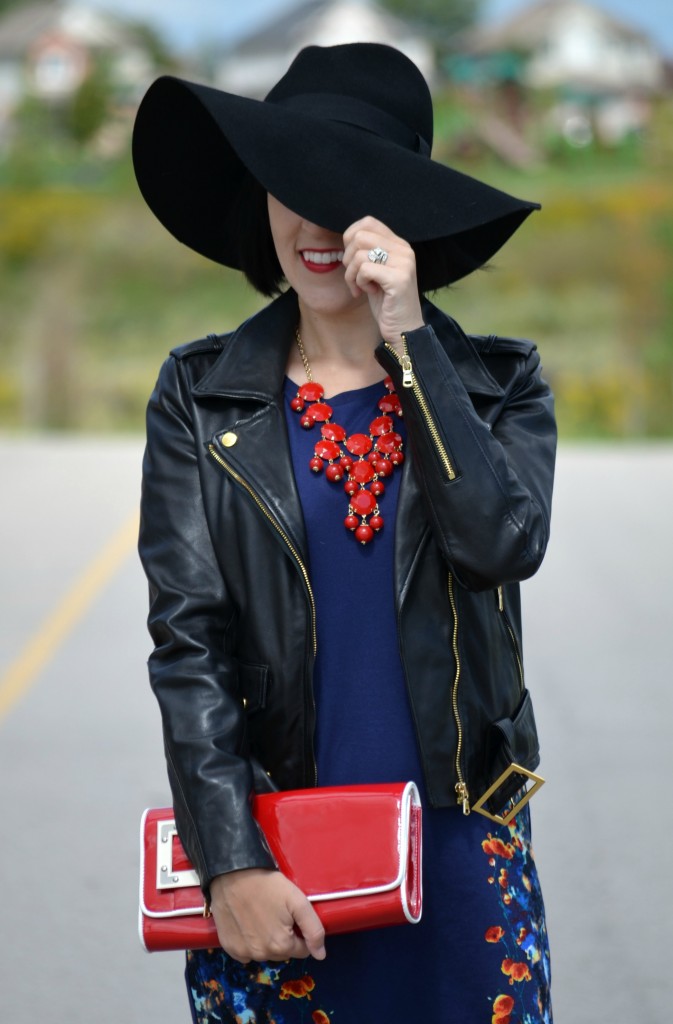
{"x": 444, "y": 17}
{"x": 89, "y": 107}
{"x": 154, "y": 44}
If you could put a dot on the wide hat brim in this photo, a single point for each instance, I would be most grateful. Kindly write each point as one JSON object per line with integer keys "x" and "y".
{"x": 193, "y": 146}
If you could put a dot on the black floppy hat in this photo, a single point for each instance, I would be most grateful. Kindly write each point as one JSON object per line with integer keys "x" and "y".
{"x": 346, "y": 132}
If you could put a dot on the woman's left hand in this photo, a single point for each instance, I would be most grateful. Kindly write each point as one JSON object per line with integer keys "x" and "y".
{"x": 391, "y": 287}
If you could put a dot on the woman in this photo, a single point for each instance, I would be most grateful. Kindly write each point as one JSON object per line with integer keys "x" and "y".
{"x": 310, "y": 634}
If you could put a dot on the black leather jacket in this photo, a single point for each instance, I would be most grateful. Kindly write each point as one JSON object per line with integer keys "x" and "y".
{"x": 231, "y": 607}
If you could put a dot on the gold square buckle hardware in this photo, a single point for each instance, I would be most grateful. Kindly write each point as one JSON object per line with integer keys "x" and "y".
{"x": 504, "y": 819}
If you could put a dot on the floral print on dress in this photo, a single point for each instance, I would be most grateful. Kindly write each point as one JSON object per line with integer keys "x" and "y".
{"x": 518, "y": 934}
{"x": 224, "y": 990}
{"x": 497, "y": 973}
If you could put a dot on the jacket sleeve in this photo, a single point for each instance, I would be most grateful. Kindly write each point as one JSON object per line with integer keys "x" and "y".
{"x": 193, "y": 677}
{"x": 487, "y": 486}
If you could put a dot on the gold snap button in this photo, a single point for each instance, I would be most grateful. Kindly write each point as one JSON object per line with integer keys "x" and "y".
{"x": 229, "y": 439}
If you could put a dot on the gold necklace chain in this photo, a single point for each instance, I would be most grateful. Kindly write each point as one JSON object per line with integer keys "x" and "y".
{"x": 302, "y": 353}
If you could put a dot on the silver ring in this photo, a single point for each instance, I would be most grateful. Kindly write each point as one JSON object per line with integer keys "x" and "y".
{"x": 377, "y": 255}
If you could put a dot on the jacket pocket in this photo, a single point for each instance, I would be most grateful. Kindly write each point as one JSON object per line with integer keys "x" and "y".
{"x": 253, "y": 681}
{"x": 512, "y": 742}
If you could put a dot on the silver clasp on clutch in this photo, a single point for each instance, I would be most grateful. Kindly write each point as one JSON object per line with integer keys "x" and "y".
{"x": 167, "y": 878}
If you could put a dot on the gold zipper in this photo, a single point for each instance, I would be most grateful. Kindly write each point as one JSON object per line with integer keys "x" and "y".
{"x": 295, "y": 554}
{"x": 515, "y": 645}
{"x": 462, "y": 794}
{"x": 409, "y": 381}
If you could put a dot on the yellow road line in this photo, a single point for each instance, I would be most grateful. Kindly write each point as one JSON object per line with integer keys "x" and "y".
{"x": 46, "y": 640}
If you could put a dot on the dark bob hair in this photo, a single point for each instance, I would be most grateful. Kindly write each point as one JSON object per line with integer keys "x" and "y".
{"x": 257, "y": 254}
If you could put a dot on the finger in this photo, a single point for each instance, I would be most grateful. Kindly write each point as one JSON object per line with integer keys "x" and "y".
{"x": 235, "y": 950}
{"x": 311, "y": 928}
{"x": 365, "y": 241}
{"x": 283, "y": 945}
{"x": 369, "y": 224}
{"x": 236, "y": 947}
{"x": 359, "y": 270}
{"x": 373, "y": 277}
{"x": 352, "y": 272}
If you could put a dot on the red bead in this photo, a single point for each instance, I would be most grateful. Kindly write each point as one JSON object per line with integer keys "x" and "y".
{"x": 383, "y": 467}
{"x": 333, "y": 432}
{"x": 364, "y": 534}
{"x": 351, "y": 522}
{"x": 373, "y": 457}
{"x": 388, "y": 382}
{"x": 351, "y": 487}
{"x": 334, "y": 472}
{"x": 390, "y": 442}
{"x": 381, "y": 425}
{"x": 307, "y": 421}
{"x": 363, "y": 503}
{"x": 390, "y": 404}
{"x": 359, "y": 444}
{"x": 311, "y": 392}
{"x": 346, "y": 461}
{"x": 377, "y": 488}
{"x": 321, "y": 411}
{"x": 363, "y": 472}
{"x": 376, "y": 522}
{"x": 297, "y": 404}
{"x": 327, "y": 449}
{"x": 397, "y": 458}
{"x": 316, "y": 465}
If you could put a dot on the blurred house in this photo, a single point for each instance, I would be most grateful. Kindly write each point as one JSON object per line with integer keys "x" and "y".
{"x": 599, "y": 73}
{"x": 258, "y": 60}
{"x": 47, "y": 50}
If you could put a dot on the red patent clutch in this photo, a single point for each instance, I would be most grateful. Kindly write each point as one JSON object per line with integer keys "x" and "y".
{"x": 354, "y": 850}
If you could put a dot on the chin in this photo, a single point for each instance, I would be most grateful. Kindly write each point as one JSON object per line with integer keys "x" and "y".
{"x": 331, "y": 300}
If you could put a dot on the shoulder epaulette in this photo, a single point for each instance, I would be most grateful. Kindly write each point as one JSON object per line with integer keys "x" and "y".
{"x": 211, "y": 343}
{"x": 498, "y": 343}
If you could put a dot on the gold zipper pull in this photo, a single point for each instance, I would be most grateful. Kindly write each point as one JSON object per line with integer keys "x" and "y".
{"x": 463, "y": 797}
{"x": 407, "y": 372}
{"x": 501, "y": 600}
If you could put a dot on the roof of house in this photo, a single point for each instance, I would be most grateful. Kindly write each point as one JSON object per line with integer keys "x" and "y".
{"x": 529, "y": 26}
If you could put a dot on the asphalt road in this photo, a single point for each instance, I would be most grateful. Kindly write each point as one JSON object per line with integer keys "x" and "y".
{"x": 80, "y": 748}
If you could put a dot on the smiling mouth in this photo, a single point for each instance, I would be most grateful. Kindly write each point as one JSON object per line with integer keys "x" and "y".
{"x": 322, "y": 255}
{"x": 321, "y": 260}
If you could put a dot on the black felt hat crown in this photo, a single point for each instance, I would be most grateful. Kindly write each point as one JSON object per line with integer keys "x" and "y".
{"x": 346, "y": 132}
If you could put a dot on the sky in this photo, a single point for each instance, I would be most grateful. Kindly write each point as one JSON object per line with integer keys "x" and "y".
{"x": 188, "y": 23}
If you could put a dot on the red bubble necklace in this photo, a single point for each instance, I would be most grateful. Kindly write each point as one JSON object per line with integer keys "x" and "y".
{"x": 365, "y": 460}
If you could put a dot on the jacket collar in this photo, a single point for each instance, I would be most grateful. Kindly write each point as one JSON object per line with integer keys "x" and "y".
{"x": 252, "y": 363}
{"x": 253, "y": 360}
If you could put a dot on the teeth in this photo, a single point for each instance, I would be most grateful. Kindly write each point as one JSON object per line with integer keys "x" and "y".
{"x": 323, "y": 257}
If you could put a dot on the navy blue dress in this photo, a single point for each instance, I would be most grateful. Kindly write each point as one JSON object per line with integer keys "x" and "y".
{"x": 480, "y": 952}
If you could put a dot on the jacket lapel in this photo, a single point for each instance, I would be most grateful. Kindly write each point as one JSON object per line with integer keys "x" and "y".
{"x": 252, "y": 439}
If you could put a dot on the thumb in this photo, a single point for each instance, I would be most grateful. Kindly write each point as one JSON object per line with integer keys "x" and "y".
{"x": 310, "y": 926}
